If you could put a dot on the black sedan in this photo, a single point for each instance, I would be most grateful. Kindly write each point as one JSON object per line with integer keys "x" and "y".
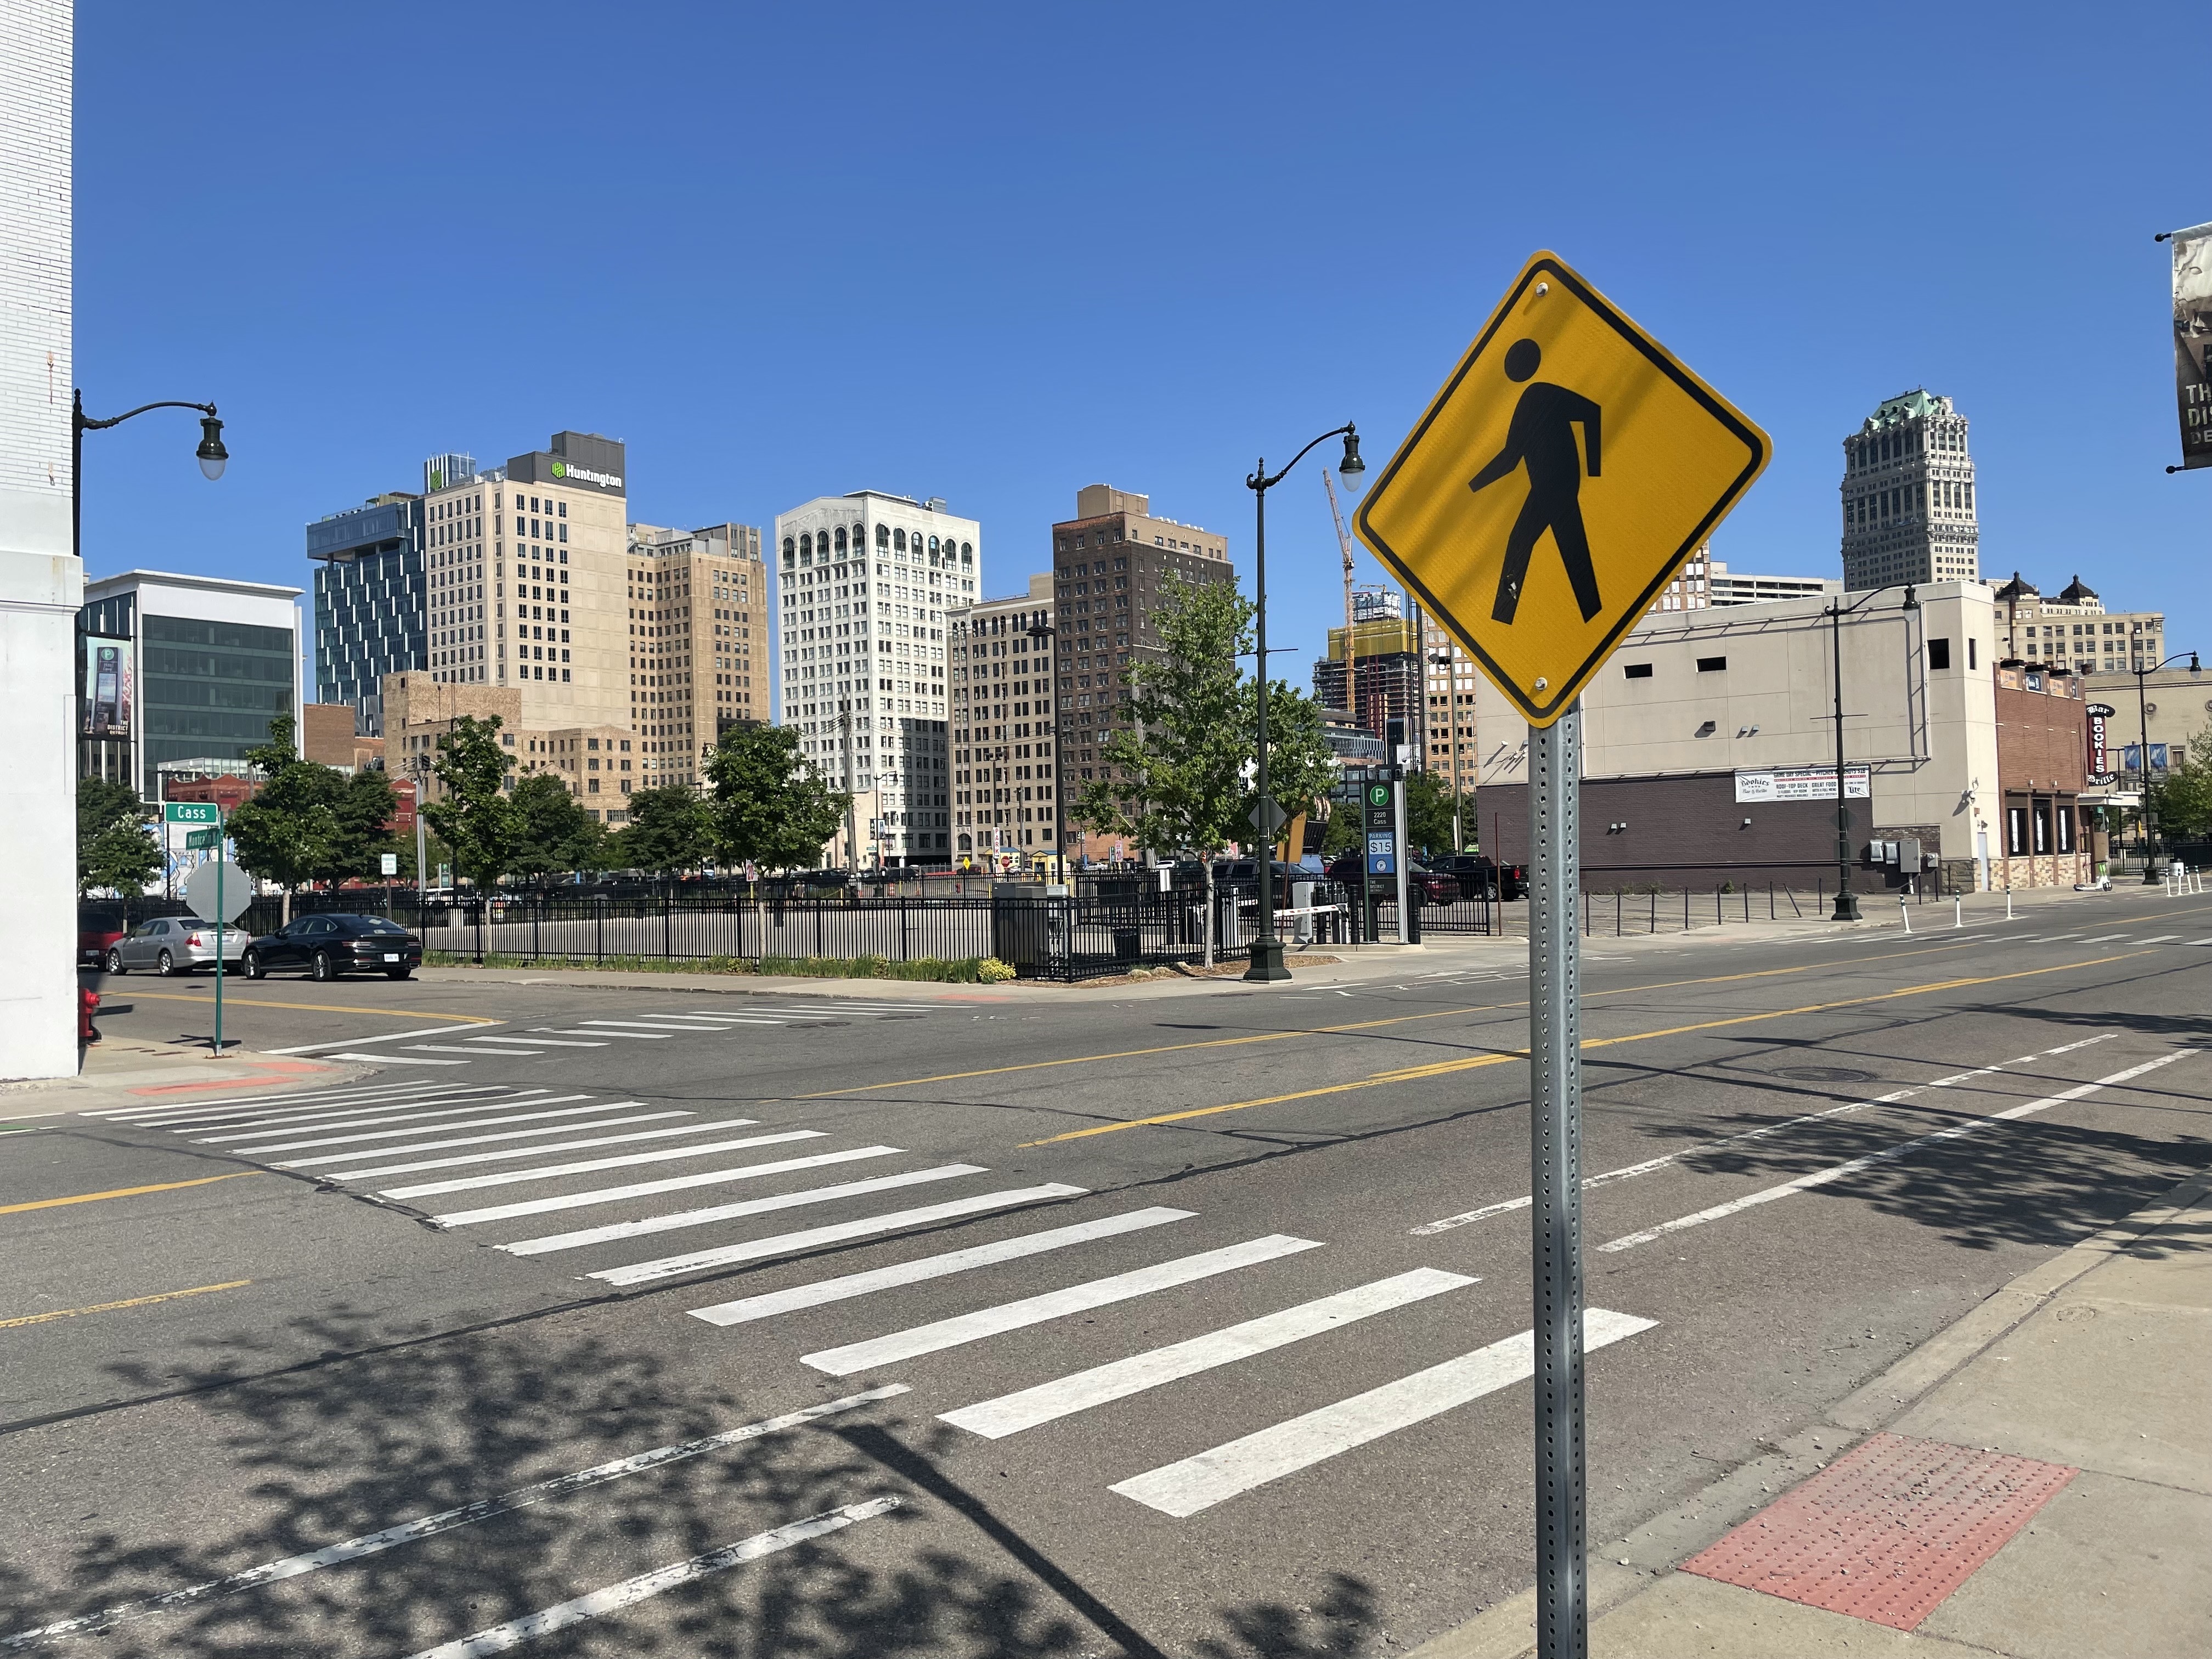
{"x": 328, "y": 945}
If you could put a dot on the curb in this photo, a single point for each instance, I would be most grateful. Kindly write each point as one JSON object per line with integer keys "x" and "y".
{"x": 1632, "y": 1566}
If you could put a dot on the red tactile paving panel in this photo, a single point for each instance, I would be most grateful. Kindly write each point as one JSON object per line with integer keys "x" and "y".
{"x": 1886, "y": 1532}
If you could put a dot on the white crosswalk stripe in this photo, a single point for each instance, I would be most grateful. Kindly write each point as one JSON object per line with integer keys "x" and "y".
{"x": 510, "y": 1153}
{"x": 547, "y": 1172}
{"x": 426, "y": 1112}
{"x": 1011, "y": 1413}
{"x": 685, "y": 1218}
{"x": 256, "y": 1145}
{"x": 483, "y": 1140}
{"x": 396, "y": 1060}
{"x": 841, "y": 1289}
{"x": 639, "y": 1036}
{"x": 448, "y": 1049}
{"x": 539, "y": 1042}
{"x": 1186, "y": 1487}
{"x": 757, "y": 1249}
{"x": 1051, "y": 1305}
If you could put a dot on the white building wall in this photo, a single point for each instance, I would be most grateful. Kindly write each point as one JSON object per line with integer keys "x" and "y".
{"x": 41, "y": 583}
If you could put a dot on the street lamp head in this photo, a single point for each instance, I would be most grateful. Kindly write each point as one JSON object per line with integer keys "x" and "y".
{"x": 212, "y": 455}
{"x": 1351, "y": 470}
{"x": 1911, "y": 602}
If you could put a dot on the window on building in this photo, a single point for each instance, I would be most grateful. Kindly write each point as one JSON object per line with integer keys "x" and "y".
{"x": 1711, "y": 665}
{"x": 1637, "y": 670}
{"x": 2015, "y": 830}
{"x": 1939, "y": 653}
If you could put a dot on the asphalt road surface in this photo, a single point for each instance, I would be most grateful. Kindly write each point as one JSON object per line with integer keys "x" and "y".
{"x": 600, "y": 1321}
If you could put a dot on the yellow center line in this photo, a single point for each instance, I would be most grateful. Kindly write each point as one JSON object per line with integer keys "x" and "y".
{"x": 1414, "y": 1072}
{"x": 122, "y": 1192}
{"x": 110, "y": 1307}
{"x": 1357, "y": 1025}
{"x": 319, "y": 1008}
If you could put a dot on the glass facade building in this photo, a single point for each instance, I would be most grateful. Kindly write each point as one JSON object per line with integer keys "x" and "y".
{"x": 371, "y": 612}
{"x": 209, "y": 689}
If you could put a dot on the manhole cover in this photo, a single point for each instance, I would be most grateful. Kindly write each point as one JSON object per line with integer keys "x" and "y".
{"x": 1824, "y": 1074}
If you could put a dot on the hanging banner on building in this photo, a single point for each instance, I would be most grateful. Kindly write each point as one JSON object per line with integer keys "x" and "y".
{"x": 1800, "y": 783}
{"x": 2101, "y": 774}
{"x": 111, "y": 676}
{"x": 2192, "y": 341}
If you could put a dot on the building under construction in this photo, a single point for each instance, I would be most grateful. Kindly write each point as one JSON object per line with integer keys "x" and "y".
{"x": 1381, "y": 685}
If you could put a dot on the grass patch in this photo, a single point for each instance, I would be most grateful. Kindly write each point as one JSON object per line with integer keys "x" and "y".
{"x": 964, "y": 970}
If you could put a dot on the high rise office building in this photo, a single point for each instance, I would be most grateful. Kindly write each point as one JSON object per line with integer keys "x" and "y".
{"x": 702, "y": 596}
{"x": 370, "y": 617}
{"x": 863, "y": 584}
{"x": 1004, "y": 781}
{"x": 1908, "y": 496}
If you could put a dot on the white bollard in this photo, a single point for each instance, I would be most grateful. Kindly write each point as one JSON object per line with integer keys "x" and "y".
{"x": 1904, "y": 915}
{"x": 1958, "y": 913}
{"x": 2008, "y": 904}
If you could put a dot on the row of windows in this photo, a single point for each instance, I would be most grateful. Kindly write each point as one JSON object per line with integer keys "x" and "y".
{"x": 806, "y": 548}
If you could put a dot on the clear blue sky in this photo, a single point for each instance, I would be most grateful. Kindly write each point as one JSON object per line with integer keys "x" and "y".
{"x": 997, "y": 253}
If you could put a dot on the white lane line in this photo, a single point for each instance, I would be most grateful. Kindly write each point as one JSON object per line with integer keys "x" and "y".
{"x": 393, "y": 1059}
{"x": 2201, "y": 941}
{"x": 460, "y": 1158}
{"x": 674, "y": 1183}
{"x": 1051, "y": 1305}
{"x": 837, "y": 1233}
{"x": 410, "y": 1112}
{"x": 251, "y": 1143}
{"x": 1837, "y": 1172}
{"x": 1011, "y": 1413}
{"x": 450, "y": 1048}
{"x": 356, "y": 1154}
{"x": 1198, "y": 1483}
{"x": 2104, "y": 939}
{"x": 2161, "y": 939}
{"x": 2053, "y": 939}
{"x": 429, "y": 1526}
{"x": 536, "y": 1042}
{"x": 498, "y": 1638}
{"x": 640, "y": 1036}
{"x": 841, "y": 1289}
{"x": 662, "y": 1223}
{"x": 1628, "y": 1171}
{"x": 545, "y": 1171}
{"x": 389, "y": 1036}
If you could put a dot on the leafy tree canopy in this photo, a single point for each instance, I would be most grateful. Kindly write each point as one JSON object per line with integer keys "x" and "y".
{"x": 474, "y": 817}
{"x": 115, "y": 849}
{"x": 667, "y": 829}
{"x": 289, "y": 833}
{"x": 769, "y": 804}
{"x": 555, "y": 834}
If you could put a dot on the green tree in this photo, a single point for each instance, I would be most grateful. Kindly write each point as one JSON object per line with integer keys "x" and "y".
{"x": 1175, "y": 781}
{"x": 289, "y": 833}
{"x": 1301, "y": 766}
{"x": 114, "y": 847}
{"x": 2182, "y": 799}
{"x": 557, "y": 834}
{"x": 770, "y": 806}
{"x": 363, "y": 805}
{"x": 474, "y": 815}
{"x": 1344, "y": 832}
{"x": 667, "y": 829}
{"x": 1429, "y": 812}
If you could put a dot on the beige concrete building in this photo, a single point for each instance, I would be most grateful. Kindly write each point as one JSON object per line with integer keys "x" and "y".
{"x": 1725, "y": 586}
{"x": 698, "y": 603}
{"x": 525, "y": 572}
{"x": 2174, "y": 705}
{"x": 601, "y": 764}
{"x": 2073, "y": 631}
{"x": 1004, "y": 808}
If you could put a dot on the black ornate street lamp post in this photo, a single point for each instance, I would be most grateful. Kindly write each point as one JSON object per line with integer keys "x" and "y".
{"x": 211, "y": 453}
{"x": 1847, "y": 903}
{"x": 1266, "y": 950}
{"x": 2149, "y": 819}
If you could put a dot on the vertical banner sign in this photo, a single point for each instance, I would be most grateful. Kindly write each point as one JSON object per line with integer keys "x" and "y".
{"x": 2100, "y": 775}
{"x": 1556, "y": 483}
{"x": 2192, "y": 342}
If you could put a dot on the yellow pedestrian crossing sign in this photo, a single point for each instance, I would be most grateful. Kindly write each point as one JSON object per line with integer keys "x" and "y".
{"x": 1556, "y": 484}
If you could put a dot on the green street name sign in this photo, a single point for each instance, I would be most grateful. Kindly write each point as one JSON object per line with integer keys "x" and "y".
{"x": 199, "y": 841}
{"x": 191, "y": 812}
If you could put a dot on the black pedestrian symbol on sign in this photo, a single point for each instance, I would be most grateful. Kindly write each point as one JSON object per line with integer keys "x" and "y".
{"x": 1542, "y": 435}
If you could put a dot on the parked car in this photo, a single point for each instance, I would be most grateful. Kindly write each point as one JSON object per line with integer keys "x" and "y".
{"x": 328, "y": 945}
{"x": 173, "y": 945}
{"x": 1481, "y": 878}
{"x": 95, "y": 937}
{"x": 1245, "y": 872}
{"x": 1435, "y": 886}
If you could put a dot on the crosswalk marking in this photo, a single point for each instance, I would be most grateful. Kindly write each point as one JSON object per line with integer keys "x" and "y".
{"x": 498, "y": 1638}
{"x": 665, "y": 1027}
{"x": 253, "y": 1144}
{"x": 234, "y": 1105}
{"x": 1011, "y": 1413}
{"x": 2201, "y": 941}
{"x": 639, "y": 1036}
{"x": 2055, "y": 939}
{"x": 545, "y": 1172}
{"x": 639, "y": 1272}
{"x": 448, "y": 1049}
{"x": 2104, "y": 939}
{"x": 483, "y": 1140}
{"x": 413, "y": 1099}
{"x": 426, "y": 1112}
{"x": 1198, "y": 1483}
{"x": 931, "y": 1267}
{"x": 662, "y": 1223}
{"x": 712, "y": 1126}
{"x": 536, "y": 1042}
{"x": 942, "y": 1334}
{"x": 2161, "y": 939}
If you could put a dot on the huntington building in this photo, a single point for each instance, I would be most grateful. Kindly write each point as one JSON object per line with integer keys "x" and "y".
{"x": 1908, "y": 496}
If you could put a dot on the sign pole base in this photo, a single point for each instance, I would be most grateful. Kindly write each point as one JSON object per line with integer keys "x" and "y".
{"x": 1555, "y": 769}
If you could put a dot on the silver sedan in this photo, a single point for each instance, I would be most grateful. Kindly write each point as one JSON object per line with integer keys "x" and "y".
{"x": 175, "y": 944}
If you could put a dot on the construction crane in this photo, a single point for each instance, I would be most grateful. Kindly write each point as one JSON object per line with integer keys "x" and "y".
{"x": 1351, "y": 636}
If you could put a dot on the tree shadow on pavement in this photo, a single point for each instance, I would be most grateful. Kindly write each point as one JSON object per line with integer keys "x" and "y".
{"x": 255, "y": 1471}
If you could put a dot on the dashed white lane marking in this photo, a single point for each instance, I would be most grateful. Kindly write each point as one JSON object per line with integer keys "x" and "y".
{"x": 1011, "y": 1413}
{"x": 707, "y": 1128}
{"x": 1628, "y": 1171}
{"x": 429, "y": 1526}
{"x": 756, "y": 1249}
{"x": 256, "y": 1145}
{"x": 973, "y": 1326}
{"x": 823, "y": 1290}
{"x": 1837, "y": 1172}
{"x": 425, "y": 1112}
{"x": 1198, "y": 1483}
{"x": 647, "y": 1225}
{"x": 638, "y": 1037}
{"x": 498, "y": 1638}
{"x": 483, "y": 1140}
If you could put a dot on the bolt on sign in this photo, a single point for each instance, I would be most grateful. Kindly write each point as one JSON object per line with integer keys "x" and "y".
{"x": 1556, "y": 484}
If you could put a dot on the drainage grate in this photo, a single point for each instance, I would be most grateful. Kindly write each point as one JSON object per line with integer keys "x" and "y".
{"x": 1886, "y": 1533}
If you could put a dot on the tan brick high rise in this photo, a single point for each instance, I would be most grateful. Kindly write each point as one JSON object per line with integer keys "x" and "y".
{"x": 698, "y": 603}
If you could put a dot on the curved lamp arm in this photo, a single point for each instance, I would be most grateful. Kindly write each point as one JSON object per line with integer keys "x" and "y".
{"x": 1262, "y": 480}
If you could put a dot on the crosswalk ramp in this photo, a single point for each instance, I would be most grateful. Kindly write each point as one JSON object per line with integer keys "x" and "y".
{"x": 616, "y": 1032}
{"x": 1139, "y": 1304}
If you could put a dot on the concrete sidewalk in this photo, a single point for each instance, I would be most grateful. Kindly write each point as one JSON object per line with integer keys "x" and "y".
{"x": 2036, "y": 1482}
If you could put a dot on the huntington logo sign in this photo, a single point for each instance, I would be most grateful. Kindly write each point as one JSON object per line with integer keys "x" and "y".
{"x": 568, "y": 469}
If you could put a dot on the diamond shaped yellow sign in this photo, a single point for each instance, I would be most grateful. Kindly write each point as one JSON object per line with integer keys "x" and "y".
{"x": 1557, "y": 482}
